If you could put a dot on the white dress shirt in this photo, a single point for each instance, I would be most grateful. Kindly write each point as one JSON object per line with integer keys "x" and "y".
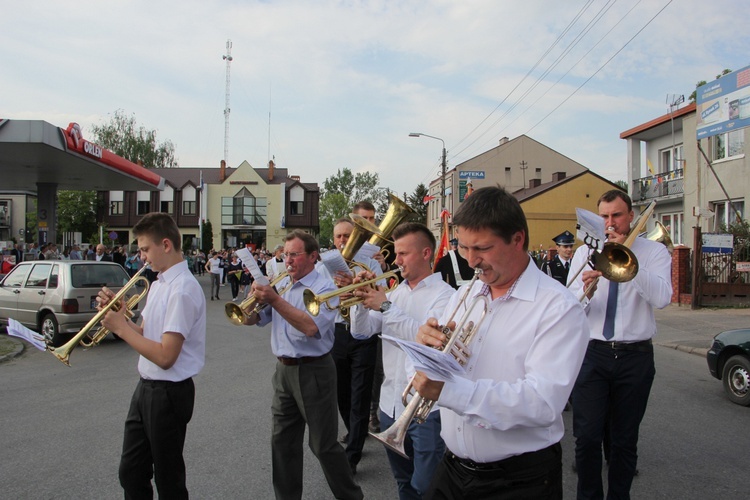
{"x": 636, "y": 299}
{"x": 525, "y": 358}
{"x": 410, "y": 309}
{"x": 176, "y": 303}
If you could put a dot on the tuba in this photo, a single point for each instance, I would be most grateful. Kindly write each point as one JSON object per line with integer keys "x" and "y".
{"x": 63, "y": 352}
{"x": 363, "y": 230}
{"x": 457, "y": 344}
{"x": 398, "y": 211}
{"x": 236, "y": 313}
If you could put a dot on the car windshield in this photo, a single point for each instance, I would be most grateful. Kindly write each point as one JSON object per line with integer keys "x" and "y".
{"x": 97, "y": 276}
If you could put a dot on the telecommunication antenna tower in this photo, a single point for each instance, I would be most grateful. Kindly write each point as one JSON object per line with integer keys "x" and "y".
{"x": 228, "y": 58}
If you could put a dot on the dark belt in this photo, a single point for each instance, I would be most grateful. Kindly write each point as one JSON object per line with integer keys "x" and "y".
{"x": 343, "y": 326}
{"x": 159, "y": 383}
{"x": 510, "y": 464}
{"x": 609, "y": 345}
{"x": 299, "y": 361}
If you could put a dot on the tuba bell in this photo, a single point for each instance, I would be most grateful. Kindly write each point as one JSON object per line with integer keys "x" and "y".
{"x": 398, "y": 211}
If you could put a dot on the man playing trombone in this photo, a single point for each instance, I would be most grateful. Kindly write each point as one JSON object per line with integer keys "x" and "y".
{"x": 305, "y": 379}
{"x": 618, "y": 370}
{"x": 502, "y": 419}
{"x": 399, "y": 313}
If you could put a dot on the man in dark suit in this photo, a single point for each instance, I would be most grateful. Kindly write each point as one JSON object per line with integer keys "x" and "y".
{"x": 453, "y": 267}
{"x": 559, "y": 265}
{"x": 101, "y": 254}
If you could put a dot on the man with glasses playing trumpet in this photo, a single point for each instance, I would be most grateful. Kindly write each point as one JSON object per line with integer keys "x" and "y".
{"x": 399, "y": 313}
{"x": 502, "y": 419}
{"x": 305, "y": 375}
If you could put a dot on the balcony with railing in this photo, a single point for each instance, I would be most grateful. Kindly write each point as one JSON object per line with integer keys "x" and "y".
{"x": 666, "y": 185}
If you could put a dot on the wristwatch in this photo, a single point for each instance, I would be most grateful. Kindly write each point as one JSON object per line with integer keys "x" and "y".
{"x": 385, "y": 306}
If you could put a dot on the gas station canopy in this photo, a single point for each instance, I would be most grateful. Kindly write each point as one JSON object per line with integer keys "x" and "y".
{"x": 34, "y": 152}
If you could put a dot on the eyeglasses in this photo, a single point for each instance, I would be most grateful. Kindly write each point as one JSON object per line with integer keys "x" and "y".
{"x": 294, "y": 255}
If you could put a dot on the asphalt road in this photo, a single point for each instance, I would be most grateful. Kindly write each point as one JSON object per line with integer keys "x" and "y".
{"x": 62, "y": 426}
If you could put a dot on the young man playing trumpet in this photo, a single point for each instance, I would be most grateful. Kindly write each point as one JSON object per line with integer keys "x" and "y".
{"x": 502, "y": 419}
{"x": 171, "y": 340}
{"x": 399, "y": 313}
{"x": 305, "y": 379}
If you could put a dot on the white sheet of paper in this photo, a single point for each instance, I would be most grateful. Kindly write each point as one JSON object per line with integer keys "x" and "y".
{"x": 249, "y": 262}
{"x": 437, "y": 365}
{"x": 367, "y": 251}
{"x": 334, "y": 262}
{"x": 590, "y": 229}
{"x": 18, "y": 330}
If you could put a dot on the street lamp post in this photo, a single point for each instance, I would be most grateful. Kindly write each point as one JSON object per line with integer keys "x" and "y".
{"x": 442, "y": 173}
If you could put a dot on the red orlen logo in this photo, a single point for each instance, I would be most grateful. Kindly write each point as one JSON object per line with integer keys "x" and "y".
{"x": 80, "y": 144}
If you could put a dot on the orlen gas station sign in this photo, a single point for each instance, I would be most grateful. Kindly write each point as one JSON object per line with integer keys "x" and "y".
{"x": 723, "y": 105}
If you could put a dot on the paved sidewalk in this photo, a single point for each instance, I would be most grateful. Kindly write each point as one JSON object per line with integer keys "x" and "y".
{"x": 691, "y": 331}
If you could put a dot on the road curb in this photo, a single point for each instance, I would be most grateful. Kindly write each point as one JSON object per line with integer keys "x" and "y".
{"x": 16, "y": 347}
{"x": 698, "y": 351}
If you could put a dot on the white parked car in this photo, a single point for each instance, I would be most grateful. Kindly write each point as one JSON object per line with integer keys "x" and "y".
{"x": 56, "y": 297}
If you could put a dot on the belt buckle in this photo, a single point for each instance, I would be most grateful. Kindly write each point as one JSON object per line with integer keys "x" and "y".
{"x": 614, "y": 345}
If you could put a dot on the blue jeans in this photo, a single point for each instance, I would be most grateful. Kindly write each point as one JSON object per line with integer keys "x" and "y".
{"x": 424, "y": 444}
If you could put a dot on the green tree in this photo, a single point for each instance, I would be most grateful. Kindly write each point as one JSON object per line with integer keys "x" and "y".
{"x": 416, "y": 202}
{"x": 124, "y": 137}
{"x": 694, "y": 95}
{"x": 623, "y": 185}
{"x": 344, "y": 190}
{"x": 76, "y": 212}
{"x": 207, "y": 237}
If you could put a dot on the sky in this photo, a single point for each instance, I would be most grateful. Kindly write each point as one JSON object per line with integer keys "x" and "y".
{"x": 326, "y": 85}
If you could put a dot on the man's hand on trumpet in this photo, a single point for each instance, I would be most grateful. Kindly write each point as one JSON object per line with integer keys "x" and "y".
{"x": 430, "y": 334}
{"x": 372, "y": 297}
{"x": 115, "y": 319}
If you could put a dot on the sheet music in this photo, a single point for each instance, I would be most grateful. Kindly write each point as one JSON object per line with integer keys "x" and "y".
{"x": 368, "y": 250}
{"x": 249, "y": 262}
{"x": 590, "y": 229}
{"x": 18, "y": 330}
{"x": 436, "y": 364}
{"x": 334, "y": 262}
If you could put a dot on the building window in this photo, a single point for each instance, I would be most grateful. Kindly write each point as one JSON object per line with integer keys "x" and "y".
{"x": 116, "y": 203}
{"x": 166, "y": 200}
{"x": 538, "y": 172}
{"x": 144, "y": 202}
{"x": 723, "y": 215}
{"x": 116, "y": 208}
{"x": 728, "y": 145}
{"x": 296, "y": 200}
{"x": 243, "y": 209}
{"x": 674, "y": 224}
{"x": 188, "y": 208}
{"x": 670, "y": 159}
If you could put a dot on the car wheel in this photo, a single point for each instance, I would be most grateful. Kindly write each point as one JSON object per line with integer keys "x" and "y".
{"x": 736, "y": 378}
{"x": 50, "y": 329}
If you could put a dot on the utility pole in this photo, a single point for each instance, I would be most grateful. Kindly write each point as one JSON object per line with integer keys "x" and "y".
{"x": 228, "y": 58}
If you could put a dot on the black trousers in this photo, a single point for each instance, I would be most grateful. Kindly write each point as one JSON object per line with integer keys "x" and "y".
{"x": 612, "y": 389}
{"x": 535, "y": 475}
{"x": 154, "y": 438}
{"x": 355, "y": 370}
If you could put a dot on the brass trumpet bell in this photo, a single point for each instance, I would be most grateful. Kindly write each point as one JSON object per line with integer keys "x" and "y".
{"x": 363, "y": 230}
{"x": 660, "y": 234}
{"x": 616, "y": 262}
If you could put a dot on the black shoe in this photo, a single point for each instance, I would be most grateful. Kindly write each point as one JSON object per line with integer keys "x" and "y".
{"x": 344, "y": 439}
{"x": 212, "y": 298}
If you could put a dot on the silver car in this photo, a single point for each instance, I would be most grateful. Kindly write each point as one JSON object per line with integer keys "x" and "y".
{"x": 56, "y": 297}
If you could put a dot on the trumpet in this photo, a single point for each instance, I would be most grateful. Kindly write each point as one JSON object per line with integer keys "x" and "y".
{"x": 236, "y": 313}
{"x": 457, "y": 344}
{"x": 314, "y": 302}
{"x": 63, "y": 352}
